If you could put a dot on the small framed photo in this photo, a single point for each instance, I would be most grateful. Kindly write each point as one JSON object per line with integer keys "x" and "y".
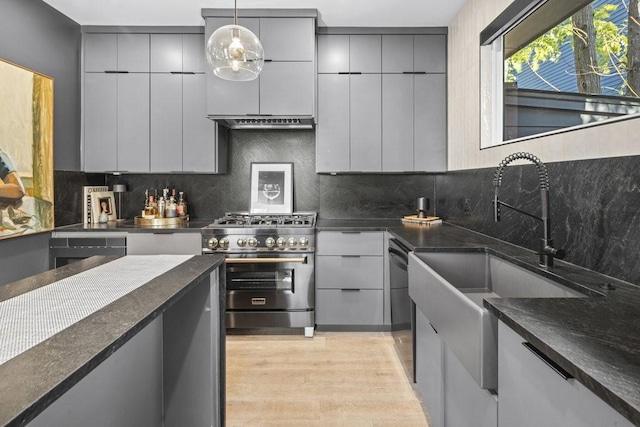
{"x": 103, "y": 202}
{"x": 271, "y": 188}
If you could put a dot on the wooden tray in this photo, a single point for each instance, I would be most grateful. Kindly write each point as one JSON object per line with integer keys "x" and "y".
{"x": 426, "y": 220}
{"x": 161, "y": 222}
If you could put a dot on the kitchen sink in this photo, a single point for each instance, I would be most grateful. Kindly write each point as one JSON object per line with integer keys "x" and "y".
{"x": 449, "y": 287}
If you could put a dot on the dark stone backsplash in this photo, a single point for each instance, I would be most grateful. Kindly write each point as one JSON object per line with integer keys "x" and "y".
{"x": 595, "y": 210}
{"x": 595, "y": 204}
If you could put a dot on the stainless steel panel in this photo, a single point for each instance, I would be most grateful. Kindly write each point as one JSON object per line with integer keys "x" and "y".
{"x": 270, "y": 319}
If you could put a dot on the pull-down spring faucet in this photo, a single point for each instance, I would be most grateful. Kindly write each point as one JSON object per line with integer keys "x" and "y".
{"x": 547, "y": 252}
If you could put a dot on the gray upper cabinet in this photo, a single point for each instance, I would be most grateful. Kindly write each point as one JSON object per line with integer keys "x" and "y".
{"x": 397, "y": 53}
{"x": 177, "y": 53}
{"x": 365, "y": 108}
{"x": 333, "y": 53}
{"x": 166, "y": 122}
{"x": 429, "y": 53}
{"x": 429, "y": 121}
{"x": 396, "y": 119}
{"x": 397, "y": 122}
{"x": 288, "y": 39}
{"x": 286, "y": 88}
{"x": 286, "y": 85}
{"x": 116, "y": 52}
{"x": 332, "y": 131}
{"x": 365, "y": 54}
{"x": 144, "y": 105}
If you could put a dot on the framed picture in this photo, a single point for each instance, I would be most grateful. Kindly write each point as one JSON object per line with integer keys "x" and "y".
{"x": 26, "y": 151}
{"x": 271, "y": 188}
{"x": 103, "y": 202}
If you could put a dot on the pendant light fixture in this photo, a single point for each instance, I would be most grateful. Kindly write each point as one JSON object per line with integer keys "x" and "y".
{"x": 234, "y": 52}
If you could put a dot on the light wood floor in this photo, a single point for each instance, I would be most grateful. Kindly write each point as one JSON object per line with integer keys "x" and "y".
{"x": 333, "y": 379}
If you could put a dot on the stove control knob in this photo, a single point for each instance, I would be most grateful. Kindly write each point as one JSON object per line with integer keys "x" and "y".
{"x": 241, "y": 242}
{"x": 253, "y": 242}
{"x": 212, "y": 242}
{"x": 304, "y": 241}
{"x": 270, "y": 242}
{"x": 280, "y": 242}
{"x": 292, "y": 241}
{"x": 224, "y": 243}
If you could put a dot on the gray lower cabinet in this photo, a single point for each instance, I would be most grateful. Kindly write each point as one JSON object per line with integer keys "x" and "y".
{"x": 164, "y": 243}
{"x": 350, "y": 280}
{"x": 116, "y": 122}
{"x": 465, "y": 403}
{"x": 532, "y": 394}
{"x": 429, "y": 369}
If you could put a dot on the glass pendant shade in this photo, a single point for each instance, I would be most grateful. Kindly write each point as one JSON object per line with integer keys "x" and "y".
{"x": 235, "y": 53}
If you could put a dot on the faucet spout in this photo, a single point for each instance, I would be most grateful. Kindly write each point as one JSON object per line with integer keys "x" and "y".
{"x": 547, "y": 252}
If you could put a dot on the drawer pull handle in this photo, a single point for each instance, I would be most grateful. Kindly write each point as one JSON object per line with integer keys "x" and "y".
{"x": 351, "y": 232}
{"x": 258, "y": 301}
{"x": 350, "y": 256}
{"x": 550, "y": 363}
{"x": 350, "y": 290}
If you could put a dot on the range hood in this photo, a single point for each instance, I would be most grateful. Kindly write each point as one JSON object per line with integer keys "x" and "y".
{"x": 261, "y": 122}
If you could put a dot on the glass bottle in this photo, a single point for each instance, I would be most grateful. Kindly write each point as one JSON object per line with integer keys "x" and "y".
{"x": 181, "y": 207}
{"x": 161, "y": 207}
{"x": 171, "y": 211}
{"x": 150, "y": 208}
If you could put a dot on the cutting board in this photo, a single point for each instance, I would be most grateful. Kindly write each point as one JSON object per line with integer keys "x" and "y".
{"x": 426, "y": 220}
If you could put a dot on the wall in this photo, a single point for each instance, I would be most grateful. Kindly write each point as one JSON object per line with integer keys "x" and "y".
{"x": 36, "y": 36}
{"x": 341, "y": 196}
{"x": 464, "y": 110}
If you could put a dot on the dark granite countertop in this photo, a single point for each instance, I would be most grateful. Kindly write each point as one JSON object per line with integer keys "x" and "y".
{"x": 129, "y": 227}
{"x": 596, "y": 339}
{"x": 32, "y": 380}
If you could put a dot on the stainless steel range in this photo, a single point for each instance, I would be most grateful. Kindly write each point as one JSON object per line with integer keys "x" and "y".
{"x": 269, "y": 268}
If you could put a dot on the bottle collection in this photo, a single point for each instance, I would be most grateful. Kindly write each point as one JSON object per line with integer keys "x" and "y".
{"x": 164, "y": 206}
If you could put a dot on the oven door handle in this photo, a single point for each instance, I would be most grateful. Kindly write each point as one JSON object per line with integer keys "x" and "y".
{"x": 301, "y": 260}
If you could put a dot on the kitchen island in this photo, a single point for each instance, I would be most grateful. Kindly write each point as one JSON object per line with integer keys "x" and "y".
{"x": 595, "y": 339}
{"x": 151, "y": 353}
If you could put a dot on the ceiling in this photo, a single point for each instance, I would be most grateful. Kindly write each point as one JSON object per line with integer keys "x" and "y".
{"x": 332, "y": 13}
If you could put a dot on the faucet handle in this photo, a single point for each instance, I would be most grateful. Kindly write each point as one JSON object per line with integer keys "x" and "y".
{"x": 548, "y": 253}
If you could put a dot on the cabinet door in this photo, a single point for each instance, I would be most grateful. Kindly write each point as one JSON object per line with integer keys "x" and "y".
{"x": 397, "y": 53}
{"x": 430, "y": 122}
{"x": 286, "y": 88}
{"x": 430, "y": 53}
{"x": 350, "y": 243}
{"x": 288, "y": 39}
{"x": 532, "y": 394}
{"x": 349, "y": 272}
{"x": 465, "y": 403}
{"x": 227, "y": 98}
{"x": 333, "y": 53}
{"x": 366, "y": 122}
{"x": 349, "y": 307}
{"x": 198, "y": 141}
{"x": 133, "y": 53}
{"x": 100, "y": 122}
{"x": 193, "y": 55}
{"x": 166, "y": 53}
{"x": 397, "y": 122}
{"x": 166, "y": 122}
{"x": 133, "y": 122}
{"x": 365, "y": 53}
{"x": 100, "y": 52}
{"x": 429, "y": 369}
{"x": 332, "y": 131}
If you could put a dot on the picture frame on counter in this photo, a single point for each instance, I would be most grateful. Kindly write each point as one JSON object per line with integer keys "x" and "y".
{"x": 103, "y": 202}
{"x": 271, "y": 188}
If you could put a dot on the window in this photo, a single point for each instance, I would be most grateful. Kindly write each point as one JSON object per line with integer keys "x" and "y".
{"x": 555, "y": 65}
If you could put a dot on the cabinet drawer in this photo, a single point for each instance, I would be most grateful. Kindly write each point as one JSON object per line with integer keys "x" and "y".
{"x": 350, "y": 243}
{"x": 349, "y": 307}
{"x": 353, "y": 272}
{"x": 164, "y": 243}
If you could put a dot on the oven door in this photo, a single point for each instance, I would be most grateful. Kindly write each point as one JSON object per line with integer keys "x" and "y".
{"x": 272, "y": 281}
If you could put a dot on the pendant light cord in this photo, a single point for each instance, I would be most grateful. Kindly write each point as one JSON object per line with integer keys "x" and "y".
{"x": 235, "y": 12}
